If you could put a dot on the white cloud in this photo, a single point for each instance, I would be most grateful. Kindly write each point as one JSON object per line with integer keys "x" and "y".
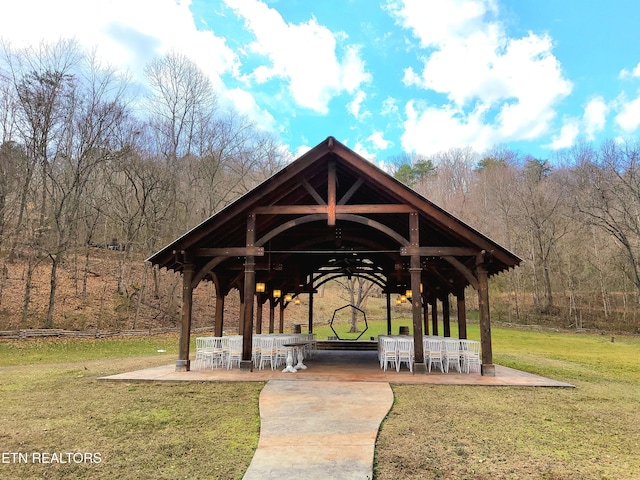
{"x": 567, "y": 136}
{"x": 298, "y": 53}
{"x": 378, "y": 141}
{"x": 595, "y": 116}
{"x": 389, "y": 106}
{"x": 244, "y": 103}
{"x": 436, "y": 23}
{"x": 431, "y": 129}
{"x": 355, "y": 107}
{"x": 361, "y": 150}
{"x": 629, "y": 117}
{"x": 624, "y": 73}
{"x": 302, "y": 149}
{"x": 127, "y": 34}
{"x": 470, "y": 59}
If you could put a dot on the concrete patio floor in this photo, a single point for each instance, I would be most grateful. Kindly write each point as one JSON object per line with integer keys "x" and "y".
{"x": 340, "y": 366}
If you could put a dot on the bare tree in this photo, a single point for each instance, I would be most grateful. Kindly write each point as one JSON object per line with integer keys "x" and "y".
{"x": 541, "y": 204}
{"x": 357, "y": 289}
{"x": 452, "y": 183}
{"x": 181, "y": 101}
{"x": 43, "y": 83}
{"x": 606, "y": 192}
{"x": 495, "y": 206}
{"x": 96, "y": 110}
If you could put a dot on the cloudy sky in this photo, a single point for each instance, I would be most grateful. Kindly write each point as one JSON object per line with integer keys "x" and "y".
{"x": 382, "y": 76}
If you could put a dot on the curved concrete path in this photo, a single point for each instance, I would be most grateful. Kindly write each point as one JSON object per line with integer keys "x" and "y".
{"x": 319, "y": 430}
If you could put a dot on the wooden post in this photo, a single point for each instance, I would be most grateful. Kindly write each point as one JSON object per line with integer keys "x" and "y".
{"x": 281, "y": 329}
{"x": 331, "y": 193}
{"x": 488, "y": 368}
{"x": 446, "y": 316}
{"x": 425, "y": 313}
{"x": 462, "y": 315}
{"x": 219, "y": 322}
{"x": 249, "y": 292}
{"x": 388, "y": 313}
{"x": 415, "y": 270}
{"x": 259, "y": 313}
{"x": 272, "y": 307}
{"x": 183, "y": 364}
{"x": 310, "y": 312}
{"x": 434, "y": 315}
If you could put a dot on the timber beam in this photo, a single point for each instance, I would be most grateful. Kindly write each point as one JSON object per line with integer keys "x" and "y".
{"x": 229, "y": 252}
{"x": 351, "y": 208}
{"x": 438, "y": 251}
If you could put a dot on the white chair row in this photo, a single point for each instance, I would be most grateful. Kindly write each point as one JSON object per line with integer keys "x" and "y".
{"x": 446, "y": 353}
{"x": 215, "y": 352}
{"x": 395, "y": 351}
{"x": 226, "y": 352}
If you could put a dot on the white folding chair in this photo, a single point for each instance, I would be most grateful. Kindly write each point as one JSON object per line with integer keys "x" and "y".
{"x": 435, "y": 353}
{"x": 281, "y": 351}
{"x": 267, "y": 352}
{"x": 235, "y": 351}
{"x": 388, "y": 352}
{"x": 404, "y": 353}
{"x": 311, "y": 346}
{"x": 200, "y": 361}
{"x": 255, "y": 349}
{"x": 451, "y": 352}
{"x": 214, "y": 352}
{"x": 470, "y": 355}
{"x": 425, "y": 349}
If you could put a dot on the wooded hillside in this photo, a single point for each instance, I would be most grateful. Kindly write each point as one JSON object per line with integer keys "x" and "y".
{"x": 96, "y": 176}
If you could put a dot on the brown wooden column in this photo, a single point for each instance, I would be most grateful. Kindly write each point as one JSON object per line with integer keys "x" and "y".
{"x": 183, "y": 364}
{"x": 415, "y": 270}
{"x": 331, "y": 192}
{"x": 241, "y": 317}
{"x": 446, "y": 316}
{"x": 388, "y": 313}
{"x": 425, "y": 314}
{"x": 310, "y": 312}
{"x": 462, "y": 315}
{"x": 488, "y": 368}
{"x": 249, "y": 292}
{"x": 272, "y": 307}
{"x": 434, "y": 315}
{"x": 259, "y": 303}
{"x": 219, "y": 321}
{"x": 281, "y": 329}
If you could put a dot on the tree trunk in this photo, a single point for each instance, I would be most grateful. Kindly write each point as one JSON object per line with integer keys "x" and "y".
{"x": 27, "y": 289}
{"x": 55, "y": 261}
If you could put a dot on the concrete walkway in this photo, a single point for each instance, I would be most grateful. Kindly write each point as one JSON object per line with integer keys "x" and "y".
{"x": 319, "y": 429}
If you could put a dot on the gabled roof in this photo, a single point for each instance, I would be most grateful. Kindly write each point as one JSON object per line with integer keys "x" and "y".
{"x": 332, "y": 210}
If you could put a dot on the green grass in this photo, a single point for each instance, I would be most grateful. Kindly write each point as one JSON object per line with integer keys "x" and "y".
{"x": 590, "y": 432}
{"x": 52, "y": 402}
{"x": 379, "y": 327}
{"x": 57, "y": 350}
{"x": 142, "y": 430}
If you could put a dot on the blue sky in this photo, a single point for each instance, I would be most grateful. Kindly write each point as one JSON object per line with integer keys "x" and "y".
{"x": 382, "y": 76}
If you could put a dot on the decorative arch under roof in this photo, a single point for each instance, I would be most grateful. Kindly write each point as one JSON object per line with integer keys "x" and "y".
{"x": 332, "y": 210}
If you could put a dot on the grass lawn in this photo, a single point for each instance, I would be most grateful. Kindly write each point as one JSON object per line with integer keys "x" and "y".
{"x": 140, "y": 431}
{"x": 590, "y": 432}
{"x": 53, "y": 403}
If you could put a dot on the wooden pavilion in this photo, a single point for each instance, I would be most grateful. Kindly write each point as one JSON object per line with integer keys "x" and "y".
{"x": 328, "y": 214}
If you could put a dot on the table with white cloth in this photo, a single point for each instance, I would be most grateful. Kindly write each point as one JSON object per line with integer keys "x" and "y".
{"x": 296, "y": 349}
